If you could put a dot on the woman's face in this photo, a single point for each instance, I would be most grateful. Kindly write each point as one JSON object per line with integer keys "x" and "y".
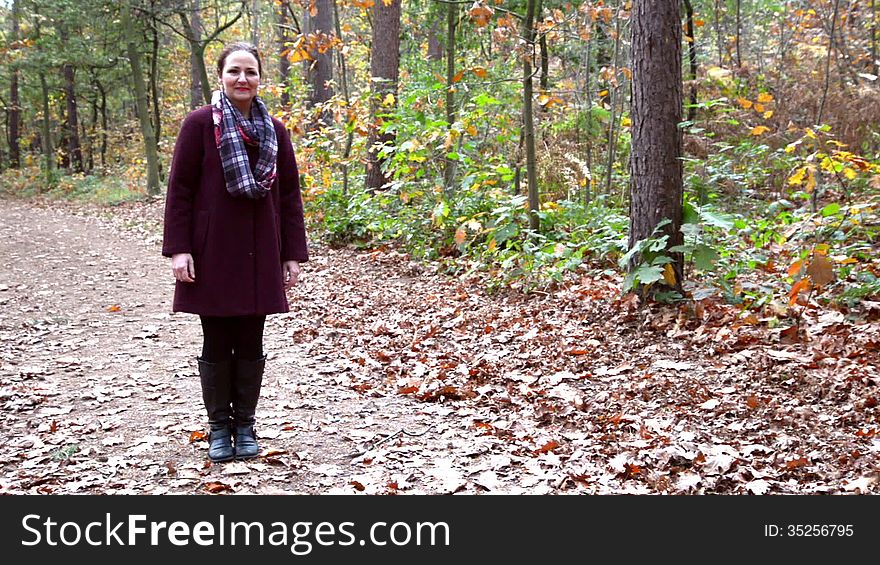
{"x": 240, "y": 79}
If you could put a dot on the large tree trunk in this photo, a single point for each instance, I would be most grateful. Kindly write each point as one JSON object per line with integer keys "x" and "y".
{"x": 14, "y": 105}
{"x": 656, "y": 170}
{"x": 140, "y": 90}
{"x": 528, "y": 118}
{"x": 320, "y": 70}
{"x": 384, "y": 70}
{"x": 196, "y": 96}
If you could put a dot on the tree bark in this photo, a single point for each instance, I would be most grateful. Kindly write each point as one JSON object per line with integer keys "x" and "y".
{"x": 282, "y": 22}
{"x": 196, "y": 96}
{"x": 528, "y": 117}
{"x": 71, "y": 127}
{"x": 828, "y": 63}
{"x": 449, "y": 164}
{"x": 141, "y": 104}
{"x": 384, "y": 70}
{"x": 656, "y": 169}
{"x": 320, "y": 70}
{"x": 14, "y": 118}
{"x": 692, "y": 58}
{"x": 255, "y": 23}
{"x": 48, "y": 149}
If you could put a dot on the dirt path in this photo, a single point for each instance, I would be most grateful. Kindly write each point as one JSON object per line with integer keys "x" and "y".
{"x": 390, "y": 378}
{"x": 99, "y": 386}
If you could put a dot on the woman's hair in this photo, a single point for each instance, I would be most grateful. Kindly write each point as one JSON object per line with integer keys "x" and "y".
{"x": 238, "y": 46}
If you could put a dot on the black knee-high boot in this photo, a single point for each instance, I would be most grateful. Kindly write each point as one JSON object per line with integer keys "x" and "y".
{"x": 246, "y": 384}
{"x": 217, "y": 392}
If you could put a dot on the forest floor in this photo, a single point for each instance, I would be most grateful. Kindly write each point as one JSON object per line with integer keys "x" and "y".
{"x": 388, "y": 377}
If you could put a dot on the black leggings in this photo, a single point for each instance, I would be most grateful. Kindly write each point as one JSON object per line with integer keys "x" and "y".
{"x": 241, "y": 335}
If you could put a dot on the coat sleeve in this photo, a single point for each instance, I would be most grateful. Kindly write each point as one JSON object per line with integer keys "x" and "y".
{"x": 183, "y": 181}
{"x": 293, "y": 231}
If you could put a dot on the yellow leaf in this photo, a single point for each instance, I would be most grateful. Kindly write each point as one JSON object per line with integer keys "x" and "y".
{"x": 626, "y": 122}
{"x": 791, "y": 147}
{"x": 758, "y": 130}
{"x": 492, "y": 245}
{"x": 769, "y": 114}
{"x": 746, "y": 104}
{"x": 543, "y": 99}
{"x": 603, "y": 93}
{"x": 810, "y": 133}
{"x": 811, "y": 179}
{"x": 759, "y": 108}
{"x": 849, "y": 173}
{"x": 472, "y": 130}
{"x": 798, "y": 177}
{"x": 389, "y": 100}
{"x": 669, "y": 274}
{"x": 764, "y": 98}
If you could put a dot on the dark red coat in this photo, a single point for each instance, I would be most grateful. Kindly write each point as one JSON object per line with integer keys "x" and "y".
{"x": 237, "y": 244}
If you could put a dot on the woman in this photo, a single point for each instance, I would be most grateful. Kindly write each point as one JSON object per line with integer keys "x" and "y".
{"x": 235, "y": 234}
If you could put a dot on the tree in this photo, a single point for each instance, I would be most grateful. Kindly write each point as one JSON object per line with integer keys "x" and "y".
{"x": 384, "y": 71}
{"x": 656, "y": 167}
{"x": 14, "y": 104}
{"x": 528, "y": 120}
{"x": 320, "y": 68}
{"x": 131, "y": 31}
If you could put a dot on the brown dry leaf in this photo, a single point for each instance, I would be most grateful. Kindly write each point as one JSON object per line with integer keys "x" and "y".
{"x": 215, "y": 487}
{"x": 795, "y": 463}
{"x": 547, "y": 447}
{"x": 197, "y": 435}
{"x": 358, "y": 486}
{"x": 821, "y": 271}
{"x": 752, "y": 402}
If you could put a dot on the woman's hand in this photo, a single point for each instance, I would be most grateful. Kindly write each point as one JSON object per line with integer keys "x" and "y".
{"x": 290, "y": 271}
{"x": 183, "y": 267}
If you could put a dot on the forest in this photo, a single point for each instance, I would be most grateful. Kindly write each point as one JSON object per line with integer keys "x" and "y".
{"x": 510, "y": 202}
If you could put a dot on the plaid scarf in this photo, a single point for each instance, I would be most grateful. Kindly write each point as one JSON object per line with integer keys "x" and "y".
{"x": 232, "y": 132}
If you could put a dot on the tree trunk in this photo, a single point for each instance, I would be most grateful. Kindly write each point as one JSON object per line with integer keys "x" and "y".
{"x": 255, "y": 24}
{"x": 449, "y": 164}
{"x": 718, "y": 36}
{"x": 343, "y": 72}
{"x": 435, "y": 46}
{"x": 14, "y": 118}
{"x": 545, "y": 54}
{"x": 615, "y": 99}
{"x": 320, "y": 71}
{"x": 196, "y": 96}
{"x": 828, "y": 63}
{"x": 134, "y": 58}
{"x": 874, "y": 62}
{"x": 154, "y": 85}
{"x": 282, "y": 22}
{"x": 656, "y": 170}
{"x": 528, "y": 119}
{"x": 739, "y": 62}
{"x": 384, "y": 70}
{"x": 48, "y": 149}
{"x": 692, "y": 58}
{"x": 74, "y": 149}
{"x": 104, "y": 124}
